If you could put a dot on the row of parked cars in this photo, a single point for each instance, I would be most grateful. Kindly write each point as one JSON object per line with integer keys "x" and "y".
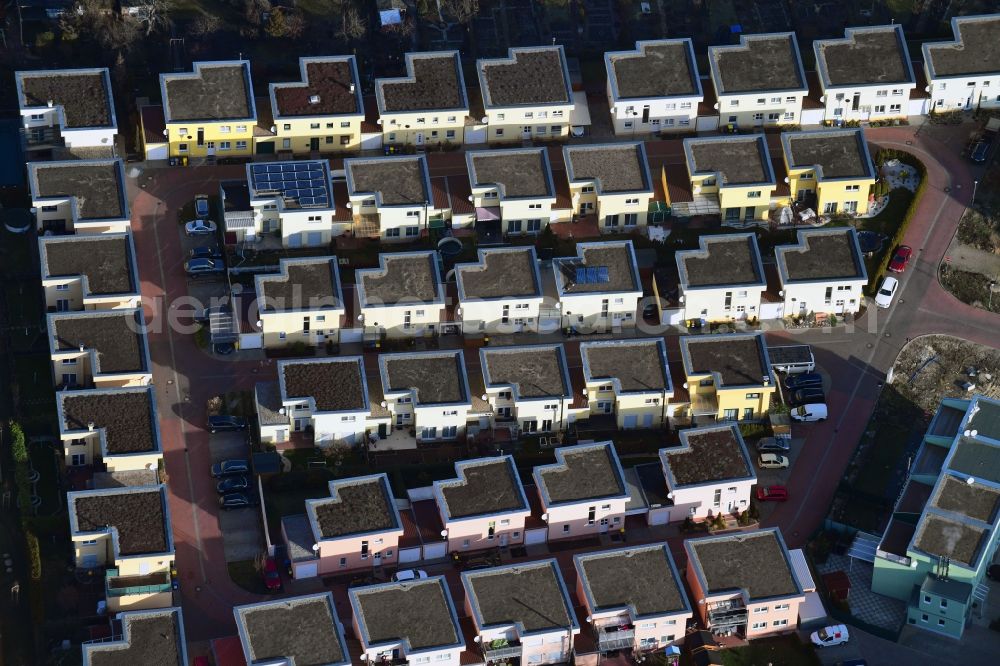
{"x": 233, "y": 485}
{"x": 207, "y": 259}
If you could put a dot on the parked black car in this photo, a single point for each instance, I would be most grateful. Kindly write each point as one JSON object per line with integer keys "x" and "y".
{"x": 230, "y": 468}
{"x": 805, "y": 380}
{"x": 232, "y": 484}
{"x": 807, "y": 396}
{"x": 206, "y": 252}
{"x": 237, "y": 500}
{"x": 774, "y": 445}
{"x": 196, "y": 267}
{"x": 226, "y": 423}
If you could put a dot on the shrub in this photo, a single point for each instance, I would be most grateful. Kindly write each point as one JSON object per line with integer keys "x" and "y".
{"x": 44, "y": 39}
{"x": 883, "y": 156}
{"x": 18, "y": 444}
{"x": 34, "y": 553}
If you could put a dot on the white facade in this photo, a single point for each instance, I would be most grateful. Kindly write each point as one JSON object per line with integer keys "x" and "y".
{"x": 745, "y": 105}
{"x": 521, "y": 405}
{"x": 37, "y": 120}
{"x": 864, "y": 101}
{"x": 972, "y": 82}
{"x": 404, "y": 314}
{"x": 648, "y": 114}
{"x": 411, "y": 406}
{"x": 833, "y": 295}
{"x": 718, "y": 302}
{"x": 329, "y": 426}
{"x": 64, "y": 212}
{"x": 484, "y": 312}
{"x": 597, "y": 307}
{"x": 398, "y": 220}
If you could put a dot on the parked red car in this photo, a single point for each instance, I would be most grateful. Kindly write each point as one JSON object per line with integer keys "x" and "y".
{"x": 900, "y": 259}
{"x": 272, "y": 579}
{"x": 772, "y": 494}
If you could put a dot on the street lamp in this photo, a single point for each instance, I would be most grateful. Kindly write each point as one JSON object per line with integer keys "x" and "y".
{"x": 975, "y": 184}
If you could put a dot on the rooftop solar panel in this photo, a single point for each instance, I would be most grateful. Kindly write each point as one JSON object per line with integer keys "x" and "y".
{"x": 301, "y": 182}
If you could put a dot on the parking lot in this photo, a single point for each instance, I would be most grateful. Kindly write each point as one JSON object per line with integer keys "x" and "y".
{"x": 241, "y": 528}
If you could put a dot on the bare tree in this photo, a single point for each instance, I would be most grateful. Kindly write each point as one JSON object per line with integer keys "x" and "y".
{"x": 96, "y": 19}
{"x": 205, "y": 25}
{"x": 354, "y": 25}
{"x": 463, "y": 11}
{"x": 153, "y": 14}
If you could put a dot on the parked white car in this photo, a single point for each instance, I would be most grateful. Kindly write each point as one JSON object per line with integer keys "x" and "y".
{"x": 809, "y": 413}
{"x": 886, "y": 292}
{"x": 772, "y": 461}
{"x": 199, "y": 227}
{"x": 836, "y": 634}
{"x": 409, "y": 574}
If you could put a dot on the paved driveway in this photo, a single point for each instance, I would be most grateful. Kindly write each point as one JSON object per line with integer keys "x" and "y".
{"x": 242, "y": 537}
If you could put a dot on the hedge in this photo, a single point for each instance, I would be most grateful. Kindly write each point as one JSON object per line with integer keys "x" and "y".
{"x": 881, "y": 157}
{"x": 18, "y": 446}
{"x": 34, "y": 553}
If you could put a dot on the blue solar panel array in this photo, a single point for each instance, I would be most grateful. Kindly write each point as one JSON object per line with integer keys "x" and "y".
{"x": 595, "y": 275}
{"x": 304, "y": 182}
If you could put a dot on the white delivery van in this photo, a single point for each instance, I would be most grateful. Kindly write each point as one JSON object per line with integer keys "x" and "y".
{"x": 807, "y": 413}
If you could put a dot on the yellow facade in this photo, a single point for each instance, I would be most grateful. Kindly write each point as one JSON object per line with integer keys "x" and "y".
{"x": 209, "y": 132}
{"x": 735, "y": 199}
{"x": 703, "y": 391}
{"x": 428, "y": 106}
{"x": 423, "y": 128}
{"x": 321, "y": 113}
{"x": 844, "y": 194}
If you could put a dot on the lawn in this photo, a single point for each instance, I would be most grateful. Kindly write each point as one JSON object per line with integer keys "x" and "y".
{"x": 889, "y": 219}
{"x": 785, "y": 650}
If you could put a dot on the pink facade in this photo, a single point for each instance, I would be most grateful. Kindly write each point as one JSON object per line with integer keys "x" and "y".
{"x": 651, "y": 633}
{"x": 346, "y": 554}
{"x": 474, "y": 533}
{"x": 584, "y": 519}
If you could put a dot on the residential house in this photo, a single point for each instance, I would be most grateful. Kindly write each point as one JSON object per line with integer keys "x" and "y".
{"x": 209, "y": 112}
{"x": 484, "y": 507}
{"x": 824, "y": 272}
{"x": 302, "y": 302}
{"x": 357, "y": 527}
{"x": 428, "y": 106}
{"x": 583, "y": 493}
{"x": 501, "y": 293}
{"x": 390, "y": 197}
{"x": 94, "y": 272}
{"x": 830, "y": 170}
{"x": 303, "y": 629}
{"x": 655, "y": 88}
{"x": 611, "y": 181}
{"x": 513, "y": 186}
{"x": 403, "y": 297}
{"x": 115, "y": 426}
{"x": 759, "y": 81}
{"x": 427, "y": 392}
{"x": 865, "y": 76}
{"x": 127, "y": 531}
{"x": 521, "y": 611}
{"x": 710, "y": 473}
{"x": 760, "y": 597}
{"x": 723, "y": 280}
{"x": 729, "y": 376}
{"x": 528, "y": 387}
{"x": 67, "y": 108}
{"x": 629, "y": 379}
{"x": 527, "y": 95}
{"x": 327, "y": 397}
{"x": 964, "y": 74}
{"x": 733, "y": 172}
{"x": 945, "y": 529}
{"x": 323, "y": 111}
{"x": 294, "y": 201}
{"x": 135, "y": 634}
{"x": 599, "y": 288}
{"x": 79, "y": 196}
{"x": 99, "y": 349}
{"x": 412, "y": 622}
{"x": 633, "y": 597}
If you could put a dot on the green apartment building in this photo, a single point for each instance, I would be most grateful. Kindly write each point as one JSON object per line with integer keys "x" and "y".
{"x": 943, "y": 533}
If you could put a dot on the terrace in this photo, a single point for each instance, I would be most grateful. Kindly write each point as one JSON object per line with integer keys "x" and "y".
{"x": 642, "y": 580}
{"x": 865, "y": 56}
{"x": 148, "y": 637}
{"x": 740, "y": 160}
{"x": 115, "y": 338}
{"x": 395, "y": 181}
{"x": 735, "y": 360}
{"x": 834, "y": 154}
{"x": 301, "y": 284}
{"x": 517, "y": 174}
{"x": 532, "y": 597}
{"x": 329, "y": 87}
{"x": 434, "y": 378}
{"x": 618, "y": 258}
{"x": 975, "y": 49}
{"x": 405, "y": 278}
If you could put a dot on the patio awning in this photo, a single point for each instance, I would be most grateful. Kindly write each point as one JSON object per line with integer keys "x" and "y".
{"x": 863, "y": 547}
{"x": 487, "y": 214}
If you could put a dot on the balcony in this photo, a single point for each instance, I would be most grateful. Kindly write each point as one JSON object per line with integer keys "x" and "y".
{"x": 123, "y": 586}
{"x": 502, "y": 648}
{"x": 727, "y": 615}
{"x": 610, "y": 639}
{"x": 704, "y": 404}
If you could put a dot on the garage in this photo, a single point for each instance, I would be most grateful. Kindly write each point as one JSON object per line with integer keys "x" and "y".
{"x": 314, "y": 238}
{"x": 409, "y": 555}
{"x": 305, "y": 570}
{"x": 536, "y": 536}
{"x": 435, "y": 551}
{"x": 630, "y": 421}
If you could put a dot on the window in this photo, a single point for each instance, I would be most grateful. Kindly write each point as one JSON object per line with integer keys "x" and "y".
{"x": 182, "y": 147}
{"x": 717, "y": 500}
{"x": 413, "y": 213}
{"x": 782, "y": 607}
{"x": 514, "y": 226}
{"x": 731, "y": 415}
{"x": 449, "y": 432}
{"x": 773, "y": 116}
{"x": 897, "y": 92}
{"x": 628, "y": 124}
{"x": 392, "y": 233}
{"x": 565, "y": 529}
{"x": 534, "y": 226}
{"x": 500, "y": 132}
{"x": 758, "y": 625}
{"x": 343, "y": 562}
{"x": 923, "y": 618}
{"x": 412, "y": 232}
{"x": 557, "y": 114}
{"x": 183, "y": 130}
{"x": 632, "y": 201}
{"x": 587, "y": 189}
{"x": 753, "y": 195}
{"x": 779, "y": 623}
{"x": 449, "y": 134}
{"x": 852, "y": 188}
{"x": 789, "y": 115}
{"x": 881, "y": 93}
{"x": 760, "y": 609}
{"x": 944, "y": 603}
{"x": 761, "y": 100}
{"x": 62, "y": 287}
{"x": 281, "y": 335}
{"x": 753, "y": 396}
{"x": 69, "y": 361}
{"x": 535, "y": 206}
{"x": 241, "y": 129}
{"x": 225, "y": 145}
{"x": 329, "y": 140}
{"x": 421, "y": 121}
{"x": 685, "y": 105}
{"x": 500, "y": 116}
{"x": 879, "y": 108}
{"x": 895, "y": 108}
{"x": 225, "y": 129}
{"x": 758, "y": 116}
{"x": 775, "y": 100}
{"x": 940, "y": 623}
{"x": 791, "y": 99}
{"x": 529, "y": 114}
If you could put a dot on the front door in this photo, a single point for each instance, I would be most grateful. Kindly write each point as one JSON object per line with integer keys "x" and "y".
{"x": 503, "y": 540}
{"x": 749, "y": 213}
{"x": 377, "y": 560}
{"x": 281, "y": 435}
{"x": 211, "y": 147}
{"x": 69, "y": 379}
{"x": 604, "y": 525}
{"x": 586, "y": 207}
{"x": 314, "y": 143}
{"x": 420, "y": 138}
{"x": 201, "y": 136}
{"x": 526, "y": 132}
